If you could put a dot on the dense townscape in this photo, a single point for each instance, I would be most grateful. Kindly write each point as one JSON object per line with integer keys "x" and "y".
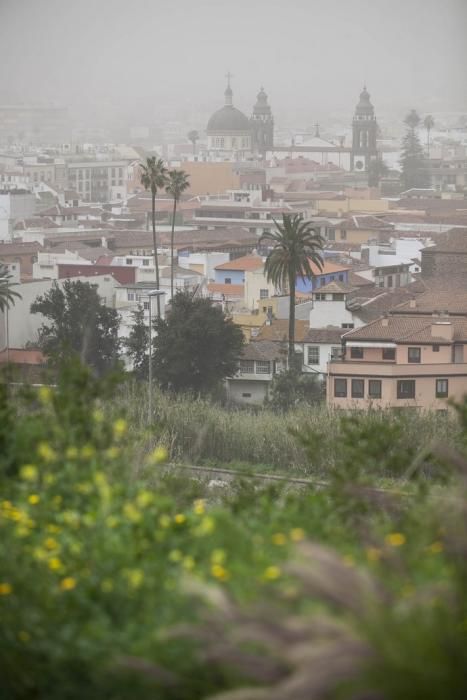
{"x": 233, "y": 350}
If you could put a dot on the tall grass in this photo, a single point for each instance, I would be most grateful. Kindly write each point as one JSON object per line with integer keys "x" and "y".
{"x": 198, "y": 431}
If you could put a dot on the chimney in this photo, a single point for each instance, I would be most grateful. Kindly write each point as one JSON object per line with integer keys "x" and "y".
{"x": 385, "y": 321}
{"x": 412, "y": 303}
{"x": 441, "y": 326}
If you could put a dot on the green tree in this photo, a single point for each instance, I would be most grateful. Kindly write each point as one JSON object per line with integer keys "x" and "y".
{"x": 137, "y": 344}
{"x": 7, "y": 295}
{"x": 413, "y": 156}
{"x": 296, "y": 246}
{"x": 376, "y": 170}
{"x": 80, "y": 323}
{"x": 196, "y": 346}
{"x": 154, "y": 178}
{"x": 428, "y": 123}
{"x": 178, "y": 182}
{"x": 193, "y": 136}
{"x": 294, "y": 388}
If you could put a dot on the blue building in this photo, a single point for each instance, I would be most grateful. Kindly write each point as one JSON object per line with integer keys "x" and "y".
{"x": 330, "y": 273}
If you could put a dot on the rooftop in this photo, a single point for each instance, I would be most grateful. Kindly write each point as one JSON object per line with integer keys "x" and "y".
{"x": 246, "y": 262}
{"x": 409, "y": 329}
{"x": 278, "y": 331}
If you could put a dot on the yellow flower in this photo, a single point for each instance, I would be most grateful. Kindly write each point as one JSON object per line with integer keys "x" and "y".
{"x": 373, "y": 554}
{"x": 71, "y": 517}
{"x": 53, "y": 529}
{"x": 71, "y": 452}
{"x": 46, "y": 452}
{"x": 6, "y": 588}
{"x": 55, "y": 564}
{"x": 87, "y": 452}
{"x": 45, "y": 394}
{"x": 272, "y": 573}
{"x": 180, "y": 518}
{"x": 50, "y": 479}
{"x": 24, "y": 636}
{"x": 395, "y": 539}
{"x": 67, "y": 584}
{"x": 144, "y": 498}
{"x": 75, "y": 547}
{"x": 111, "y": 521}
{"x": 159, "y": 455}
{"x": 188, "y": 563}
{"x": 16, "y": 514}
{"x": 199, "y": 506}
{"x": 112, "y": 452}
{"x": 297, "y": 534}
{"x": 29, "y": 472}
{"x": 435, "y": 548}
{"x": 218, "y": 556}
{"x": 131, "y": 513}
{"x": 39, "y": 554}
{"x": 219, "y": 572}
{"x": 135, "y": 577}
{"x": 120, "y": 427}
{"x": 34, "y": 499}
{"x": 98, "y": 416}
{"x": 84, "y": 487}
{"x": 164, "y": 521}
{"x": 348, "y": 561}
{"x": 22, "y": 531}
{"x": 50, "y": 543}
{"x": 7, "y": 505}
{"x": 175, "y": 555}
{"x": 279, "y": 538}
{"x": 107, "y": 585}
{"x": 206, "y": 526}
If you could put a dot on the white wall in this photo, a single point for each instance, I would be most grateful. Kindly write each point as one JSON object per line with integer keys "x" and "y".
{"x": 329, "y": 313}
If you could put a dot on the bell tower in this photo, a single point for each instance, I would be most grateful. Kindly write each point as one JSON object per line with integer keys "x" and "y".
{"x": 262, "y": 125}
{"x": 364, "y": 131}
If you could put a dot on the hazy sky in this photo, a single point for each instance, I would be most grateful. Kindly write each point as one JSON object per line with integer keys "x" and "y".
{"x": 148, "y": 58}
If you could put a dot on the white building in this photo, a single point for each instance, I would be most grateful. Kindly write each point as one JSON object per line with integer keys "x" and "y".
{"x": 14, "y": 205}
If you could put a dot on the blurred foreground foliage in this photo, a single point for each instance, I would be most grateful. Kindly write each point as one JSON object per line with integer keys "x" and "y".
{"x": 120, "y": 580}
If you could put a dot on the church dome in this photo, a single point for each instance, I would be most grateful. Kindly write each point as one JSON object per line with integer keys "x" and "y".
{"x": 364, "y": 106}
{"x": 228, "y": 118}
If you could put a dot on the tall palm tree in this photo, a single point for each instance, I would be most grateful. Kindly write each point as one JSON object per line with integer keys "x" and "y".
{"x": 7, "y": 295}
{"x": 177, "y": 183}
{"x": 296, "y": 246}
{"x": 193, "y": 136}
{"x": 428, "y": 123}
{"x": 153, "y": 177}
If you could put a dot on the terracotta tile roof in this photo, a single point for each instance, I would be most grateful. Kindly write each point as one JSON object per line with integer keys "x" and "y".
{"x": 454, "y": 301}
{"x": 359, "y": 281}
{"x": 334, "y": 287}
{"x": 22, "y": 357}
{"x": 454, "y": 241}
{"x": 331, "y": 334}
{"x": 262, "y": 350}
{"x": 228, "y": 290}
{"x": 364, "y": 222}
{"x": 246, "y": 262}
{"x": 278, "y": 331}
{"x": 382, "y": 301}
{"x": 407, "y": 329}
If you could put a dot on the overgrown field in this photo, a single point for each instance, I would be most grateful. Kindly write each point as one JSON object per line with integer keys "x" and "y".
{"x": 118, "y": 583}
{"x": 196, "y": 431}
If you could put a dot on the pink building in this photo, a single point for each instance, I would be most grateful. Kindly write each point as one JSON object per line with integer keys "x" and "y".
{"x": 401, "y": 361}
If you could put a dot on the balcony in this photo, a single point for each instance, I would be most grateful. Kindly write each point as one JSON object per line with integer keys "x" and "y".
{"x": 389, "y": 368}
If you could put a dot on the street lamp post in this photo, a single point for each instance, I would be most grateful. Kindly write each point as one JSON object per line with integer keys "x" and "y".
{"x": 153, "y": 293}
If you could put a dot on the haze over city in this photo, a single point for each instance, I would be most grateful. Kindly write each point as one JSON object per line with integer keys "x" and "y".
{"x": 156, "y": 60}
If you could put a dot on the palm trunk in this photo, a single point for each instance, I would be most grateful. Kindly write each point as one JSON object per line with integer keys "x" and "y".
{"x": 154, "y": 242}
{"x": 292, "y": 319}
{"x": 172, "y": 236}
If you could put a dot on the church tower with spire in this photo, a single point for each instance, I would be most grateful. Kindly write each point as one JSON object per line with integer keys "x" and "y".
{"x": 262, "y": 125}
{"x": 364, "y": 132}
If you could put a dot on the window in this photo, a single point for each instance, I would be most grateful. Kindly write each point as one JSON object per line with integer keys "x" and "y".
{"x": 130, "y": 296}
{"x": 129, "y": 261}
{"x": 356, "y": 353}
{"x": 347, "y": 325}
{"x": 338, "y": 297}
{"x": 341, "y": 278}
{"x": 146, "y": 305}
{"x": 336, "y": 352}
{"x": 414, "y": 355}
{"x": 358, "y": 388}
{"x": 247, "y": 366}
{"x": 442, "y": 388}
{"x": 146, "y": 262}
{"x": 389, "y": 353}
{"x": 313, "y": 355}
{"x": 228, "y": 280}
{"x": 406, "y": 389}
{"x": 343, "y": 235}
{"x": 263, "y": 367}
{"x": 435, "y": 348}
{"x": 374, "y": 388}
{"x": 457, "y": 353}
{"x": 340, "y": 387}
{"x": 320, "y": 297}
{"x": 246, "y": 396}
{"x": 263, "y": 293}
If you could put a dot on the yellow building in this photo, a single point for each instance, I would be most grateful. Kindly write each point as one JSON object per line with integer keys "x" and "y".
{"x": 211, "y": 178}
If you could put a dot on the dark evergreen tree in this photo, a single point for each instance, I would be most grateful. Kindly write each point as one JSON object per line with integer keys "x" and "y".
{"x": 414, "y": 173}
{"x": 376, "y": 170}
{"x": 137, "y": 344}
{"x": 80, "y": 323}
{"x": 196, "y": 346}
